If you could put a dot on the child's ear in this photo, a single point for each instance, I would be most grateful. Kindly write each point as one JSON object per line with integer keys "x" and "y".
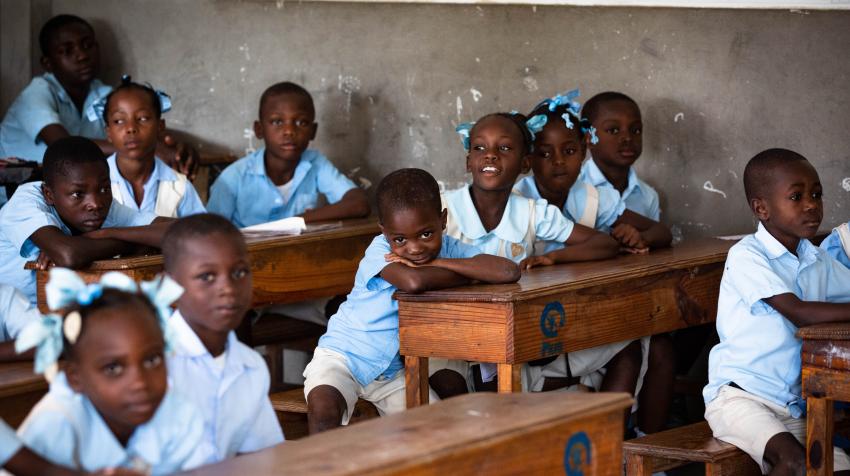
{"x": 444, "y": 218}
{"x": 160, "y": 128}
{"x": 47, "y": 192}
{"x": 258, "y": 130}
{"x": 72, "y": 373}
{"x": 760, "y": 209}
{"x": 46, "y": 64}
{"x": 313, "y": 132}
{"x": 468, "y": 165}
{"x": 526, "y": 163}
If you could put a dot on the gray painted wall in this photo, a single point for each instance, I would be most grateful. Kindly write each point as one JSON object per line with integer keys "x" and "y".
{"x": 392, "y": 80}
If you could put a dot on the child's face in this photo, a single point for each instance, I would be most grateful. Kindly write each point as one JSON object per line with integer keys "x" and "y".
{"x": 82, "y": 196}
{"x": 793, "y": 206}
{"x": 286, "y": 125}
{"x": 496, "y": 155}
{"x": 118, "y": 363}
{"x": 73, "y": 55}
{"x": 216, "y": 275}
{"x": 132, "y": 126}
{"x": 619, "y": 128}
{"x": 415, "y": 234}
{"x": 557, "y": 157}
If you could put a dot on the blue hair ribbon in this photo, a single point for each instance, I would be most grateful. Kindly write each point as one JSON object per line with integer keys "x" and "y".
{"x": 594, "y": 139}
{"x": 463, "y": 130}
{"x": 96, "y": 109}
{"x": 536, "y": 124}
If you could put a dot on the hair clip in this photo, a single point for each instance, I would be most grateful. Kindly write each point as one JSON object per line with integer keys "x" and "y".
{"x": 463, "y": 130}
{"x": 566, "y": 117}
{"x": 164, "y": 100}
{"x": 536, "y": 124}
{"x": 594, "y": 139}
{"x": 96, "y": 109}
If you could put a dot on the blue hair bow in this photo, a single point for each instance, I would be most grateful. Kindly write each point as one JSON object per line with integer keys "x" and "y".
{"x": 66, "y": 288}
{"x": 536, "y": 124}
{"x": 463, "y": 130}
{"x": 97, "y": 108}
{"x": 594, "y": 139}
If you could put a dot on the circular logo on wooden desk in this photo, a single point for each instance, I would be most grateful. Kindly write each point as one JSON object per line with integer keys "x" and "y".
{"x": 552, "y": 318}
{"x": 577, "y": 455}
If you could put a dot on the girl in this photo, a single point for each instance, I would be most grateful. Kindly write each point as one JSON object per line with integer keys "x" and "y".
{"x": 132, "y": 113}
{"x": 110, "y": 407}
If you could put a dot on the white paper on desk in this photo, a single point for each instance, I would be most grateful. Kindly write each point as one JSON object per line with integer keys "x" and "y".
{"x": 731, "y": 237}
{"x": 286, "y": 226}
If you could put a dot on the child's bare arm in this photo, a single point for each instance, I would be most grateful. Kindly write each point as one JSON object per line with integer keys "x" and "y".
{"x": 418, "y": 279}
{"x": 485, "y": 268}
{"x": 354, "y": 204}
{"x": 806, "y": 313}
{"x": 149, "y": 235}
{"x": 75, "y": 251}
{"x": 584, "y": 244}
{"x": 653, "y": 233}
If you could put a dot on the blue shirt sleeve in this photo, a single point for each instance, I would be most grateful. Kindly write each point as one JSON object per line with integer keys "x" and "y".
{"x": 453, "y": 248}
{"x": 750, "y": 274}
{"x": 25, "y": 213}
{"x": 36, "y": 108}
{"x": 9, "y": 443}
{"x": 833, "y": 247}
{"x": 224, "y": 192}
{"x": 120, "y": 215}
{"x": 190, "y": 204}
{"x": 50, "y": 434}
{"x": 331, "y": 182}
{"x": 16, "y": 312}
{"x": 654, "y": 207}
{"x": 550, "y": 224}
{"x": 611, "y": 206}
{"x": 372, "y": 264}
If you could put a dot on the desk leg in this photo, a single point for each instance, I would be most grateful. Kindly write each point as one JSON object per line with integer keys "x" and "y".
{"x": 416, "y": 380}
{"x": 819, "y": 437}
{"x": 509, "y": 378}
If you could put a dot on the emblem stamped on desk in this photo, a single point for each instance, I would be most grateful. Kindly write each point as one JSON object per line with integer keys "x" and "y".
{"x": 577, "y": 454}
{"x": 552, "y": 319}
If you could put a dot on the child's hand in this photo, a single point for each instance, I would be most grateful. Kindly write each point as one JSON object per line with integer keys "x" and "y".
{"x": 533, "y": 261}
{"x": 44, "y": 262}
{"x": 116, "y": 472}
{"x": 394, "y": 258}
{"x": 628, "y": 236}
{"x": 179, "y": 155}
{"x": 634, "y": 251}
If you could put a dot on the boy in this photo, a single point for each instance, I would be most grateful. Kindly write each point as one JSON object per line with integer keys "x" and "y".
{"x": 69, "y": 219}
{"x": 227, "y": 380}
{"x": 774, "y": 282}
{"x": 359, "y": 357}
{"x": 60, "y": 102}
{"x": 284, "y": 178}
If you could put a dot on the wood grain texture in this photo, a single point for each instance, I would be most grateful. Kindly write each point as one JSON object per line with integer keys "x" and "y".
{"x": 416, "y": 381}
{"x": 819, "y": 425}
{"x": 285, "y": 268}
{"x": 20, "y": 390}
{"x": 509, "y": 378}
{"x": 474, "y": 434}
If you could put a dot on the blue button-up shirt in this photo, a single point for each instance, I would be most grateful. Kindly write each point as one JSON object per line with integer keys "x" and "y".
{"x": 9, "y": 443}
{"x": 758, "y": 348}
{"x": 16, "y": 311}
{"x": 245, "y": 194}
{"x": 832, "y": 246}
{"x": 638, "y": 196}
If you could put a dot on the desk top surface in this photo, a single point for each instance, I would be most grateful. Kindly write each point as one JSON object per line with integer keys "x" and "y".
{"x": 546, "y": 280}
{"x": 18, "y": 377}
{"x": 422, "y": 433}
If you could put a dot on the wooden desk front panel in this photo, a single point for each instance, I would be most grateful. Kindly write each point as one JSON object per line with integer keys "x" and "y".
{"x": 20, "y": 390}
{"x": 92, "y": 275}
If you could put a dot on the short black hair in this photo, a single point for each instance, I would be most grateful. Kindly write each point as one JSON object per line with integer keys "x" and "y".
{"x": 126, "y": 84}
{"x": 759, "y": 172}
{"x": 592, "y": 106}
{"x": 183, "y": 231}
{"x": 68, "y": 152}
{"x": 286, "y": 87}
{"x": 111, "y": 298}
{"x": 407, "y": 189}
{"x": 516, "y": 119}
{"x": 45, "y": 36}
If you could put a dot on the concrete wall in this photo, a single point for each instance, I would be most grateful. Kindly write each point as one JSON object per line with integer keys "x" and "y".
{"x": 392, "y": 80}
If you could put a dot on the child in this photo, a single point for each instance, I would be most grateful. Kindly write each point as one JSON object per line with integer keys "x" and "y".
{"x": 615, "y": 119}
{"x": 284, "y": 178}
{"x": 558, "y": 151}
{"x": 111, "y": 405}
{"x": 774, "y": 282}
{"x": 359, "y": 355}
{"x": 227, "y": 380}
{"x": 60, "y": 102}
{"x": 140, "y": 180}
{"x": 837, "y": 244}
{"x": 16, "y": 312}
{"x": 69, "y": 219}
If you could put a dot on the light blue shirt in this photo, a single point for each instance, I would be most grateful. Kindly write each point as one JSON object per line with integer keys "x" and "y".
{"x": 234, "y": 400}
{"x": 42, "y": 103}
{"x": 190, "y": 204}
{"x": 638, "y": 196}
{"x": 9, "y": 443}
{"x": 548, "y": 224}
{"x": 245, "y": 195}
{"x": 65, "y": 428}
{"x": 832, "y": 245}
{"x": 365, "y": 328}
{"x": 16, "y": 311}
{"x": 25, "y": 213}
{"x": 758, "y": 348}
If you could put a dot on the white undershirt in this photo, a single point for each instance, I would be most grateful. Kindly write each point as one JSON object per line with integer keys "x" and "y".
{"x": 284, "y": 189}
{"x": 219, "y": 361}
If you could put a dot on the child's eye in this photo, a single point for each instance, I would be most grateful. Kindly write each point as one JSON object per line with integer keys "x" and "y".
{"x": 240, "y": 273}
{"x": 569, "y": 151}
{"x": 77, "y": 195}
{"x": 205, "y": 277}
{"x": 426, "y": 235}
{"x": 399, "y": 240}
{"x": 143, "y": 119}
{"x": 795, "y": 196}
{"x": 505, "y": 148}
{"x": 613, "y": 130}
{"x": 817, "y": 195}
{"x": 545, "y": 154}
{"x": 118, "y": 121}
{"x": 478, "y": 147}
{"x": 276, "y": 122}
{"x": 153, "y": 362}
{"x": 113, "y": 369}
{"x": 636, "y": 131}
{"x": 301, "y": 123}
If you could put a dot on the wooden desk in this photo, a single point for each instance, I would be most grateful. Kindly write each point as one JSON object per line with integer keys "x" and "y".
{"x": 484, "y": 433}
{"x": 826, "y": 377}
{"x": 286, "y": 268}
{"x": 20, "y": 390}
{"x": 558, "y": 309}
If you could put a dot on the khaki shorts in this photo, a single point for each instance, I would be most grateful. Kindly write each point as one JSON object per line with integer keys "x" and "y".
{"x": 749, "y": 422}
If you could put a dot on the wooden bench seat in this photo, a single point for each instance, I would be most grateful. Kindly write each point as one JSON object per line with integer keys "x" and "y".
{"x": 680, "y": 446}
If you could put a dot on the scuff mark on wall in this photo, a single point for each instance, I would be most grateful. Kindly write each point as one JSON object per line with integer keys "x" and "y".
{"x": 707, "y": 186}
{"x": 476, "y": 94}
{"x": 459, "y": 106}
{"x": 845, "y": 184}
{"x": 679, "y": 116}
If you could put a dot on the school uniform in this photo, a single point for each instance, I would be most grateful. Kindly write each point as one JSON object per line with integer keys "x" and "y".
{"x": 359, "y": 354}
{"x": 754, "y": 386}
{"x": 231, "y": 391}
{"x": 638, "y": 196}
{"x": 42, "y": 103}
{"x": 16, "y": 312}
{"x": 837, "y": 244}
{"x": 25, "y": 213}
{"x": 9, "y": 443}
{"x": 65, "y": 428}
{"x": 166, "y": 193}
{"x": 245, "y": 195}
